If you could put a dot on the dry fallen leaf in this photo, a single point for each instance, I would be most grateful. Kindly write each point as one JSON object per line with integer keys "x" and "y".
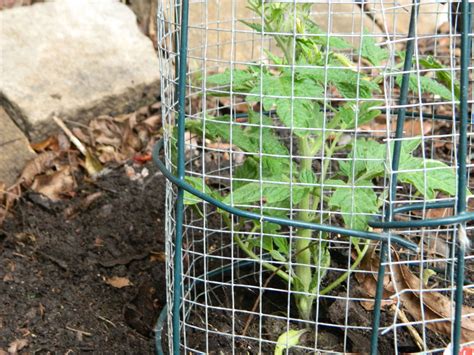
{"x": 157, "y": 256}
{"x": 118, "y": 282}
{"x": 17, "y": 345}
{"x": 56, "y": 184}
{"x": 36, "y": 166}
{"x": 436, "y": 306}
{"x": 49, "y": 143}
{"x": 411, "y": 128}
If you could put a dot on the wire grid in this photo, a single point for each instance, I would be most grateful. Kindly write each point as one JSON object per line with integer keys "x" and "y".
{"x": 224, "y": 291}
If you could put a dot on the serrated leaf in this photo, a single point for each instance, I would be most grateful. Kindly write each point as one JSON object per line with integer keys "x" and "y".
{"x": 282, "y": 92}
{"x": 282, "y": 244}
{"x": 367, "y": 158}
{"x": 349, "y": 83}
{"x": 438, "y": 176}
{"x": 355, "y": 203}
{"x": 374, "y": 53}
{"x": 276, "y": 255}
{"x": 271, "y": 228}
{"x": 350, "y": 114}
{"x": 270, "y": 193}
{"x": 238, "y": 80}
{"x": 323, "y": 39}
{"x": 197, "y": 183}
{"x": 427, "y": 85}
{"x": 221, "y": 128}
{"x": 443, "y": 76}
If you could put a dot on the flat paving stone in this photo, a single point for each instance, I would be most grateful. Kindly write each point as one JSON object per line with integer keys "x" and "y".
{"x": 75, "y": 59}
{"x": 15, "y": 150}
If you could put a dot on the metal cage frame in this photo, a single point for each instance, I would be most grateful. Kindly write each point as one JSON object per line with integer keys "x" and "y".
{"x": 460, "y": 218}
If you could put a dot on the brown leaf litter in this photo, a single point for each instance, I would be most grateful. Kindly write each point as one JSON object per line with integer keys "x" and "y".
{"x": 421, "y": 303}
{"x": 105, "y": 141}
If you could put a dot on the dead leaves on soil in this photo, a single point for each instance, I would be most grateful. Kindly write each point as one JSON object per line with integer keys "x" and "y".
{"x": 15, "y": 346}
{"x": 106, "y": 140}
{"x": 118, "y": 282}
{"x": 430, "y": 306}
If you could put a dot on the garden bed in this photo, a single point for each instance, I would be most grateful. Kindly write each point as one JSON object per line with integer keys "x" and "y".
{"x": 62, "y": 266}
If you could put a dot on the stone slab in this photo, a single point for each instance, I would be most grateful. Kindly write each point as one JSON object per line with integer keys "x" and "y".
{"x": 15, "y": 150}
{"x": 76, "y": 59}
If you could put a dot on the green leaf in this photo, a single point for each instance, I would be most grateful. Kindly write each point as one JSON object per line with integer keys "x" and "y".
{"x": 197, "y": 183}
{"x": 287, "y": 340}
{"x": 428, "y": 86}
{"x": 438, "y": 176}
{"x": 322, "y": 38}
{"x": 276, "y": 255}
{"x": 356, "y": 203}
{"x": 248, "y": 170}
{"x": 374, "y": 53}
{"x": 346, "y": 81}
{"x": 443, "y": 76}
{"x": 346, "y": 114}
{"x": 271, "y": 193}
{"x": 367, "y": 158}
{"x": 282, "y": 244}
{"x": 294, "y": 112}
{"x": 221, "y": 128}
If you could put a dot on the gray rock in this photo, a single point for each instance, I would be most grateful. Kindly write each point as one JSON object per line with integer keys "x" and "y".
{"x": 15, "y": 150}
{"x": 76, "y": 59}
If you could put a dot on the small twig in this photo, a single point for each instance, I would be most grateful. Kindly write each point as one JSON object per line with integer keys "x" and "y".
{"x": 71, "y": 136}
{"x": 413, "y": 332}
{"x": 255, "y": 305}
{"x": 106, "y": 320}
{"x": 82, "y": 332}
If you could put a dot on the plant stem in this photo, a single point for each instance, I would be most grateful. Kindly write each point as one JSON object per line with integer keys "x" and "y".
{"x": 252, "y": 255}
{"x": 266, "y": 265}
{"x": 302, "y": 250}
{"x": 345, "y": 275}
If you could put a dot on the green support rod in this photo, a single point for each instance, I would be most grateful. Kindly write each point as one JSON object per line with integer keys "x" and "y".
{"x": 462, "y": 168}
{"x": 177, "y": 271}
{"x": 424, "y": 206}
{"x": 401, "y": 114}
{"x": 444, "y": 221}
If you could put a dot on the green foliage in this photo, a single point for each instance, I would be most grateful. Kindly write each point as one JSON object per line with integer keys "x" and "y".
{"x": 293, "y": 86}
{"x": 374, "y": 53}
{"x": 355, "y": 203}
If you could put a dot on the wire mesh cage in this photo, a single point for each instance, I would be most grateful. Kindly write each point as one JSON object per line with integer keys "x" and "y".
{"x": 319, "y": 157}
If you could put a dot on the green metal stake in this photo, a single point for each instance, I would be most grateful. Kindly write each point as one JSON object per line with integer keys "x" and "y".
{"x": 401, "y": 114}
{"x": 177, "y": 281}
{"x": 462, "y": 169}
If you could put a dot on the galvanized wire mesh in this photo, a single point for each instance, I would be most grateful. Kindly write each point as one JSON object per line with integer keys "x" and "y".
{"x": 234, "y": 301}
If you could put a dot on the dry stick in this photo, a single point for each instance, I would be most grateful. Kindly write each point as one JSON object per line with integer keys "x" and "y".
{"x": 82, "y": 332}
{"x": 71, "y": 136}
{"x": 106, "y": 320}
{"x": 255, "y": 305}
{"x": 413, "y": 332}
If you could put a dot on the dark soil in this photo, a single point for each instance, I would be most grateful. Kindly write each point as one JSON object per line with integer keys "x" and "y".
{"x": 53, "y": 269}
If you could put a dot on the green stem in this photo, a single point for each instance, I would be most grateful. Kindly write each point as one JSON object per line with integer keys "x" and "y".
{"x": 303, "y": 253}
{"x": 266, "y": 265}
{"x": 345, "y": 275}
{"x": 251, "y": 254}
